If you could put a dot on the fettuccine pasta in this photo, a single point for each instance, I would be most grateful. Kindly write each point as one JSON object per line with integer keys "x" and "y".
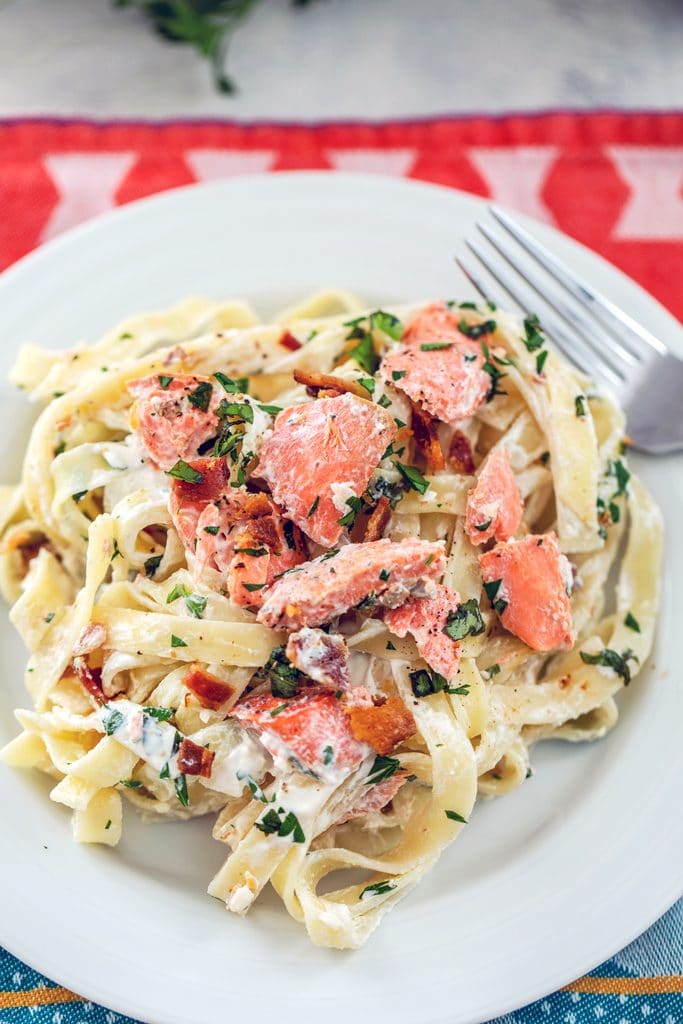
{"x": 328, "y": 579}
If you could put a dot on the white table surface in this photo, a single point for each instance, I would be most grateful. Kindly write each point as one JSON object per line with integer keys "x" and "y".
{"x": 348, "y": 59}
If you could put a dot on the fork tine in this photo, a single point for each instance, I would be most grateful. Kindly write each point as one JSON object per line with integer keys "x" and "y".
{"x": 575, "y": 350}
{"x": 477, "y": 282}
{"x": 598, "y": 304}
{"x": 591, "y": 333}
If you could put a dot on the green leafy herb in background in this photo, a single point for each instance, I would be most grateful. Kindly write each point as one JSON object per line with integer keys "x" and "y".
{"x": 207, "y": 25}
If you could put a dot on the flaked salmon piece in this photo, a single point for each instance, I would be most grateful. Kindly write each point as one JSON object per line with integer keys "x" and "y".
{"x": 312, "y": 728}
{"x": 494, "y": 505}
{"x": 382, "y": 724}
{"x": 321, "y": 656}
{"x": 375, "y": 797}
{"x": 532, "y": 577}
{"x": 438, "y": 366}
{"x": 383, "y": 572}
{"x": 174, "y": 415}
{"x": 320, "y": 455}
{"x": 425, "y": 618}
{"x": 261, "y": 553}
{"x": 188, "y": 500}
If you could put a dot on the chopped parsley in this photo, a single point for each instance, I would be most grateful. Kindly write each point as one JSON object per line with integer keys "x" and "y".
{"x": 382, "y": 768}
{"x": 368, "y": 383}
{"x": 117, "y": 551}
{"x": 58, "y": 449}
{"x": 494, "y": 373}
{"x": 272, "y": 410}
{"x": 364, "y": 352}
{"x": 632, "y": 623}
{"x": 236, "y": 410}
{"x": 617, "y": 469}
{"x": 533, "y": 339}
{"x": 384, "y": 401}
{"x": 284, "y": 677}
{"x": 253, "y": 586}
{"x": 492, "y": 671}
{"x": 182, "y": 471}
{"x": 388, "y": 323}
{"x": 328, "y": 755}
{"x": 179, "y": 590}
{"x": 580, "y": 405}
{"x": 79, "y": 495}
{"x": 152, "y": 564}
{"x": 164, "y": 381}
{"x": 108, "y": 825}
{"x": 435, "y": 346}
{"x": 398, "y": 374}
{"x": 49, "y": 617}
{"x": 201, "y": 396}
{"x": 213, "y": 530}
{"x": 161, "y": 714}
{"x": 355, "y": 505}
{"x": 377, "y": 889}
{"x": 253, "y": 552}
{"x": 492, "y": 589}
{"x": 112, "y": 719}
{"x": 180, "y": 784}
{"x": 540, "y": 361}
{"x": 544, "y": 458}
{"x": 612, "y": 659}
{"x": 272, "y": 824}
{"x": 176, "y": 641}
{"x": 477, "y": 330}
{"x": 425, "y": 682}
{"x": 240, "y": 386}
{"x": 413, "y": 477}
{"x": 313, "y": 507}
{"x": 390, "y": 646}
{"x": 384, "y": 574}
{"x": 454, "y": 816}
{"x": 196, "y": 604}
{"x": 464, "y": 621}
{"x": 483, "y": 526}
{"x": 278, "y": 710}
{"x": 131, "y": 783}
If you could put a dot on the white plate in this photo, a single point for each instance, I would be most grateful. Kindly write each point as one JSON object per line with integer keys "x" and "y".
{"x": 544, "y": 884}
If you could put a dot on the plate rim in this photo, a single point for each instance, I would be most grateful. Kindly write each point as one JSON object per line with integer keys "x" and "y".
{"x": 78, "y": 236}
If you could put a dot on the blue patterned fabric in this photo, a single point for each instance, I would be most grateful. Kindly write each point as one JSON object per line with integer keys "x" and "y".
{"x": 643, "y": 984}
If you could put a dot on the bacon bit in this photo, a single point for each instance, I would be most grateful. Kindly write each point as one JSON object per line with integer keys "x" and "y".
{"x": 90, "y": 679}
{"x": 376, "y": 798}
{"x": 287, "y": 340}
{"x": 92, "y": 636}
{"x": 316, "y": 382}
{"x": 321, "y": 656}
{"x": 211, "y": 692}
{"x": 460, "y": 453}
{"x": 378, "y": 520}
{"x": 427, "y": 439}
{"x": 382, "y": 726}
{"x": 195, "y": 760}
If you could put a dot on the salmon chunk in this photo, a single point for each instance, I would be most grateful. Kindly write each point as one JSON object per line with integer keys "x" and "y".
{"x": 426, "y": 619}
{"x": 494, "y": 505}
{"x": 312, "y": 727}
{"x": 174, "y": 415}
{"x": 320, "y": 455}
{"x": 321, "y": 656}
{"x": 382, "y": 572}
{"x": 439, "y": 367}
{"x": 527, "y": 581}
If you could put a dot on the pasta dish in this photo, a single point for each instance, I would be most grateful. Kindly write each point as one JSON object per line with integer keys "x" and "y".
{"x": 328, "y": 579}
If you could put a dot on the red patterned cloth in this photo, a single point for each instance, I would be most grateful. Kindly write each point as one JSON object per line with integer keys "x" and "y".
{"x": 612, "y": 180}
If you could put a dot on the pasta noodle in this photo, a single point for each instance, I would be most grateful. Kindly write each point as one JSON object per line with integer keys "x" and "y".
{"x": 180, "y": 535}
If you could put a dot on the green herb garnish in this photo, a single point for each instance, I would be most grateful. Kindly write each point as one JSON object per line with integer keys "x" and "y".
{"x": 152, "y": 564}
{"x": 464, "y": 621}
{"x": 632, "y": 623}
{"x": 182, "y": 471}
{"x": 612, "y": 659}
{"x": 201, "y": 396}
{"x": 413, "y": 477}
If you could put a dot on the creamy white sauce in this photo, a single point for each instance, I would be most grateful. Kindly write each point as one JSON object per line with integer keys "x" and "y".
{"x": 341, "y": 492}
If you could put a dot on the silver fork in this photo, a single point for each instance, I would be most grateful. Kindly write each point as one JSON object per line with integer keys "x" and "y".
{"x": 596, "y": 335}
